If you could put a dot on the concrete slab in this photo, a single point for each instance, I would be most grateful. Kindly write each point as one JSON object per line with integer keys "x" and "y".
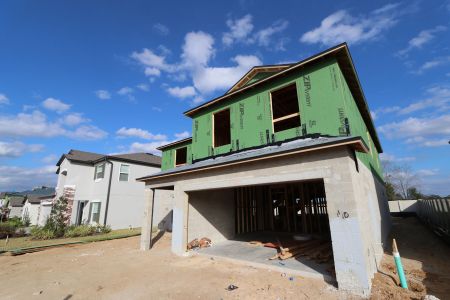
{"x": 257, "y": 256}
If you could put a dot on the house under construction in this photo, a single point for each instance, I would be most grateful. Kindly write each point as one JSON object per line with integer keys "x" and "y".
{"x": 289, "y": 152}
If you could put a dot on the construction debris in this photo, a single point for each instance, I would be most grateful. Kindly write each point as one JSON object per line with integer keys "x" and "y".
{"x": 231, "y": 287}
{"x": 196, "y": 243}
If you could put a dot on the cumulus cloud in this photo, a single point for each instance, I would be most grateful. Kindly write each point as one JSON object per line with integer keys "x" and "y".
{"x": 341, "y": 26}
{"x": 152, "y": 62}
{"x": 50, "y": 159}
{"x": 182, "y": 135}
{"x": 125, "y": 91}
{"x": 103, "y": 94}
{"x": 74, "y": 119}
{"x": 14, "y": 178}
{"x": 17, "y": 149}
{"x": 143, "y": 87}
{"x": 184, "y": 92}
{"x": 428, "y": 132}
{"x": 147, "y": 147}
{"x": 139, "y": 133}
{"x": 239, "y": 30}
{"x": 424, "y": 37}
{"x": 36, "y": 124}
{"x": 161, "y": 29}
{"x": 55, "y": 105}
{"x": 3, "y": 99}
{"x": 264, "y": 36}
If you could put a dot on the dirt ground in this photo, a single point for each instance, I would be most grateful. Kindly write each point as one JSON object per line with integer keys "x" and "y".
{"x": 118, "y": 270}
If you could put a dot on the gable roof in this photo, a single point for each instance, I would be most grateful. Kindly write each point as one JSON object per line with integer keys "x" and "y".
{"x": 342, "y": 54}
{"x": 186, "y": 140}
{"x": 36, "y": 199}
{"x": 270, "y": 151}
{"x": 269, "y": 69}
{"x": 91, "y": 158}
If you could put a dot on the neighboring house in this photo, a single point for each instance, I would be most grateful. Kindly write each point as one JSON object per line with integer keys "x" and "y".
{"x": 289, "y": 148}
{"x": 15, "y": 206}
{"x": 102, "y": 189}
{"x": 3, "y": 198}
{"x": 37, "y": 209}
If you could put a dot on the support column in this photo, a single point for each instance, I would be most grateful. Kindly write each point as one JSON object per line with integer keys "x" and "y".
{"x": 350, "y": 249}
{"x": 180, "y": 221}
{"x": 146, "y": 231}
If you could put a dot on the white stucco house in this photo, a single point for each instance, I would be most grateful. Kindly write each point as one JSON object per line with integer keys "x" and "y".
{"x": 37, "y": 209}
{"x": 102, "y": 189}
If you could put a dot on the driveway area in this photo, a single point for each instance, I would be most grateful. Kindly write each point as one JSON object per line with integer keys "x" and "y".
{"x": 118, "y": 270}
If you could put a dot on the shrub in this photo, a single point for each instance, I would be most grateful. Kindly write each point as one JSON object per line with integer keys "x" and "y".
{"x": 15, "y": 221}
{"x": 42, "y": 233}
{"x": 103, "y": 228}
{"x": 6, "y": 229}
{"x": 82, "y": 230}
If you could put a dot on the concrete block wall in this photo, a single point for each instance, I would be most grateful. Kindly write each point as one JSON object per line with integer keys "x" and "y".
{"x": 211, "y": 215}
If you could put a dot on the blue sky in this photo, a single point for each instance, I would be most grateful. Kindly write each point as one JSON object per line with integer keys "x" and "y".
{"x": 115, "y": 76}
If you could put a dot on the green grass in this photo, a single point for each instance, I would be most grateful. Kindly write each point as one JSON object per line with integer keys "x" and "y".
{"x": 27, "y": 242}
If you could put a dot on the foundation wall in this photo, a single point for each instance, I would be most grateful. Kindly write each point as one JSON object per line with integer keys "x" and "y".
{"x": 211, "y": 215}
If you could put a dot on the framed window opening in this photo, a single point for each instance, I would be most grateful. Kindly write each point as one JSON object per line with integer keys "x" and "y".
{"x": 95, "y": 212}
{"x": 180, "y": 156}
{"x": 285, "y": 108}
{"x": 99, "y": 172}
{"x": 124, "y": 172}
{"x": 221, "y": 128}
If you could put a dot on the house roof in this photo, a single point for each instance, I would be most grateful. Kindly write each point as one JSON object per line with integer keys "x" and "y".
{"x": 189, "y": 139}
{"x": 342, "y": 55}
{"x": 91, "y": 158}
{"x": 270, "y": 151}
{"x": 36, "y": 199}
{"x": 16, "y": 201}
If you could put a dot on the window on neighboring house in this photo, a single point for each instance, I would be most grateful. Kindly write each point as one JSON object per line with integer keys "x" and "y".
{"x": 99, "y": 171}
{"x": 180, "y": 156}
{"x": 285, "y": 111}
{"x": 124, "y": 172}
{"x": 95, "y": 211}
{"x": 222, "y": 130}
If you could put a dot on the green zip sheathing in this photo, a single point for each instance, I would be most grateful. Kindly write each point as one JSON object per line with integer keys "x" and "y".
{"x": 325, "y": 102}
{"x": 168, "y": 155}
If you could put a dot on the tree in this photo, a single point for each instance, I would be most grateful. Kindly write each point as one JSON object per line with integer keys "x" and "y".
{"x": 390, "y": 191}
{"x": 414, "y": 194}
{"x": 401, "y": 177}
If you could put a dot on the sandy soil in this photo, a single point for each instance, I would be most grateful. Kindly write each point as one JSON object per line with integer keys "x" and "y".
{"x": 118, "y": 270}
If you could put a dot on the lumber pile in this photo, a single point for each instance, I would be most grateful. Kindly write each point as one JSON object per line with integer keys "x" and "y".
{"x": 318, "y": 250}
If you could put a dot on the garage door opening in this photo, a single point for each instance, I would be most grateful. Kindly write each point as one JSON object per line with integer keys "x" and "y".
{"x": 281, "y": 225}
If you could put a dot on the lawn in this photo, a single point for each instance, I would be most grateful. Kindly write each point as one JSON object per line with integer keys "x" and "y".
{"x": 27, "y": 242}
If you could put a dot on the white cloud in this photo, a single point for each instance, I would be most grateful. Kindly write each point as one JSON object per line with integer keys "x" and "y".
{"x": 341, "y": 26}
{"x": 429, "y": 132}
{"x": 143, "y": 87}
{"x": 182, "y": 135}
{"x": 437, "y": 62}
{"x": 240, "y": 30}
{"x": 151, "y": 62}
{"x": 393, "y": 158}
{"x": 150, "y": 71}
{"x": 37, "y": 125}
{"x": 55, "y": 105}
{"x": 103, "y": 94}
{"x": 161, "y": 29}
{"x": 264, "y": 36}
{"x": 427, "y": 172}
{"x": 3, "y": 99}
{"x": 18, "y": 179}
{"x": 32, "y": 125}
{"x": 125, "y": 91}
{"x": 424, "y": 37}
{"x": 87, "y": 132}
{"x": 74, "y": 119}
{"x": 184, "y": 92}
{"x": 16, "y": 149}
{"x": 139, "y": 133}
{"x": 197, "y": 49}
{"x": 156, "y": 108}
{"x": 147, "y": 147}
{"x": 210, "y": 79}
{"x": 50, "y": 159}
{"x": 438, "y": 97}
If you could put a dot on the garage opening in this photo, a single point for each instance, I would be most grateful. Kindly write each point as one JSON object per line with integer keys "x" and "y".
{"x": 282, "y": 225}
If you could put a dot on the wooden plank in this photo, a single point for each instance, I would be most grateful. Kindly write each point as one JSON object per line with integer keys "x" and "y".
{"x": 286, "y": 117}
